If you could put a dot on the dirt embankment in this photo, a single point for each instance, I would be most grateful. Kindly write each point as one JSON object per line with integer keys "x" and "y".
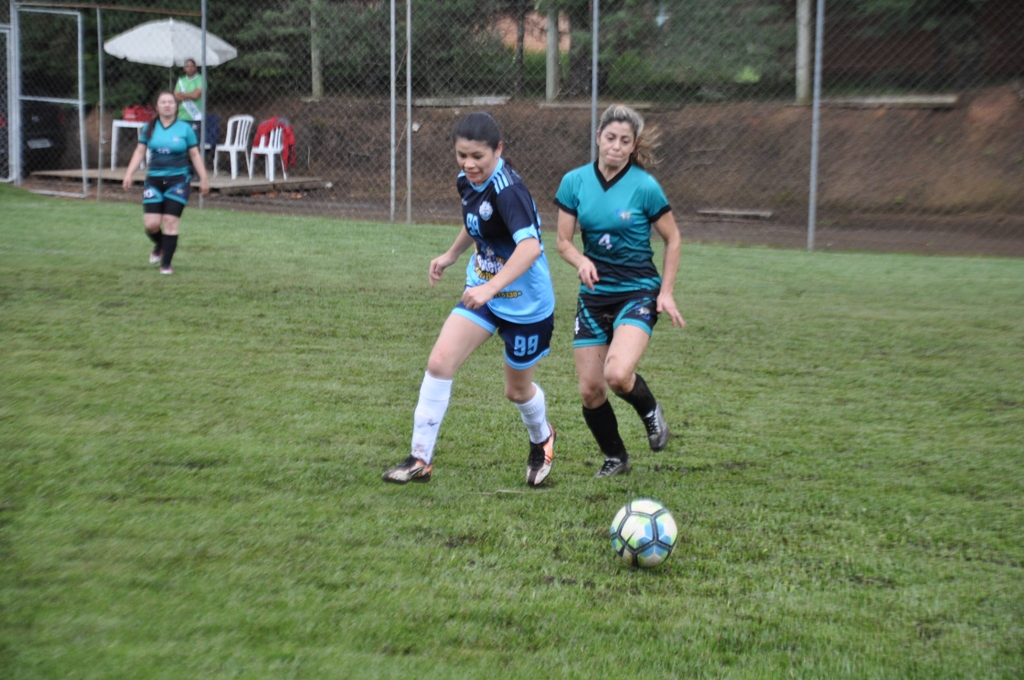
{"x": 745, "y": 155}
{"x": 748, "y": 155}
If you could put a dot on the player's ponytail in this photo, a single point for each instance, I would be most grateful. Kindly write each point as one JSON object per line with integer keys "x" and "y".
{"x": 646, "y": 139}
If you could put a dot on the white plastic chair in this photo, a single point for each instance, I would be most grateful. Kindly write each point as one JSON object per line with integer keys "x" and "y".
{"x": 269, "y": 147}
{"x": 236, "y": 141}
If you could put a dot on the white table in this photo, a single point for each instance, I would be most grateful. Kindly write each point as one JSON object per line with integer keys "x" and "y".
{"x": 118, "y": 124}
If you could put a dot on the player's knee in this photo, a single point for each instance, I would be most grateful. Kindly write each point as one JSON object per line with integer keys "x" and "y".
{"x": 619, "y": 378}
{"x": 516, "y": 394}
{"x": 439, "y": 367}
{"x": 592, "y": 394}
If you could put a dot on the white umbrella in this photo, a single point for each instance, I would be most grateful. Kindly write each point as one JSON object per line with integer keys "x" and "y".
{"x": 168, "y": 43}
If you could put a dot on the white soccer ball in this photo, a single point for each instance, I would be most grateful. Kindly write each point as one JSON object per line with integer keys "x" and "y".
{"x": 643, "y": 533}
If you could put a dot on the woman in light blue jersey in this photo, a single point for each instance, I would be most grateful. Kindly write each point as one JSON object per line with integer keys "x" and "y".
{"x": 508, "y": 291}
{"x": 172, "y": 147}
{"x": 617, "y": 204}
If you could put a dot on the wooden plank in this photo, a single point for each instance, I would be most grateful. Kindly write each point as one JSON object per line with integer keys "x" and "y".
{"x": 638, "y": 106}
{"x": 441, "y": 102}
{"x": 732, "y": 213}
{"x": 222, "y": 184}
{"x": 920, "y": 101}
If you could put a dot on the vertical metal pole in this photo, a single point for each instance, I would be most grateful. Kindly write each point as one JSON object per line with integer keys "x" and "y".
{"x": 593, "y": 83}
{"x": 14, "y": 152}
{"x": 554, "y": 63}
{"x": 206, "y": 98}
{"x": 812, "y": 209}
{"x": 99, "y": 136}
{"x": 408, "y": 111}
{"x": 803, "y": 52}
{"x": 316, "y": 57}
{"x": 83, "y": 146}
{"x": 393, "y": 103}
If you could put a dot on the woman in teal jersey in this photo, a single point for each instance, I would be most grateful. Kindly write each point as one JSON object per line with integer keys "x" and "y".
{"x": 172, "y": 145}
{"x": 617, "y": 204}
{"x": 508, "y": 292}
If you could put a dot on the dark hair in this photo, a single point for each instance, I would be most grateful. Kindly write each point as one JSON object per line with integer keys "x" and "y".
{"x": 192, "y": 60}
{"x": 148, "y": 130}
{"x": 478, "y": 126}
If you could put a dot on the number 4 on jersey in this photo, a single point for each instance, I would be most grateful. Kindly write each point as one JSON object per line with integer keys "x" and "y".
{"x": 606, "y": 241}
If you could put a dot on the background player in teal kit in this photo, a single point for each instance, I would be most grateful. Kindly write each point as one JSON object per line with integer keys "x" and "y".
{"x": 621, "y": 294}
{"x": 172, "y": 145}
{"x": 508, "y": 291}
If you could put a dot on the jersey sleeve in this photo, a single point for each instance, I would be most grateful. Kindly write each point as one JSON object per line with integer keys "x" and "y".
{"x": 655, "y": 202}
{"x": 568, "y": 197}
{"x": 517, "y": 210}
{"x": 190, "y": 138}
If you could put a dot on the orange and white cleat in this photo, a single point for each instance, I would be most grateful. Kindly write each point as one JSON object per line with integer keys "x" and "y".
{"x": 539, "y": 463}
{"x": 411, "y": 469}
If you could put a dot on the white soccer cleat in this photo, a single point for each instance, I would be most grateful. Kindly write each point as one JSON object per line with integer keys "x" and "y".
{"x": 411, "y": 469}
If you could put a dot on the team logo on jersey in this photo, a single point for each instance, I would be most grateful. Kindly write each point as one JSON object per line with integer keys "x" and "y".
{"x": 486, "y": 210}
{"x": 488, "y": 264}
{"x": 625, "y": 215}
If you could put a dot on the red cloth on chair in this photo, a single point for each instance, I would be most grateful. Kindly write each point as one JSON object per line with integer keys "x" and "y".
{"x": 287, "y": 137}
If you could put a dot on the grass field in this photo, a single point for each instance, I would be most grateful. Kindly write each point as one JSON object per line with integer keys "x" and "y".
{"x": 190, "y": 466}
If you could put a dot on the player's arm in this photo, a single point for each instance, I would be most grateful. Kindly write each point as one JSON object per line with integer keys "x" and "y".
{"x": 667, "y": 229}
{"x": 585, "y": 269}
{"x": 437, "y": 266}
{"x": 526, "y": 253}
{"x": 133, "y": 165}
{"x": 197, "y": 162}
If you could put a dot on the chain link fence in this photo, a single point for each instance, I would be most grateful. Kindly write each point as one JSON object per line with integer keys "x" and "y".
{"x": 921, "y": 123}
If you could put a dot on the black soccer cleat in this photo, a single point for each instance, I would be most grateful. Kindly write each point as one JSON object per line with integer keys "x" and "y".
{"x": 614, "y": 466}
{"x": 657, "y": 428}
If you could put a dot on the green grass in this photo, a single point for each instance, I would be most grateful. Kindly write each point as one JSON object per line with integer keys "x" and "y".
{"x": 190, "y": 466}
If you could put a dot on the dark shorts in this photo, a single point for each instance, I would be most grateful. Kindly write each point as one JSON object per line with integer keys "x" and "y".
{"x": 597, "y": 316}
{"x": 165, "y": 195}
{"x": 525, "y": 343}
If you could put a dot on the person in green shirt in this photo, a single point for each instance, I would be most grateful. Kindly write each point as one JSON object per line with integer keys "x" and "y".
{"x": 188, "y": 92}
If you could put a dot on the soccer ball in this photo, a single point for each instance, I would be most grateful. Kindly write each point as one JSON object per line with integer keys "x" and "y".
{"x": 644, "y": 533}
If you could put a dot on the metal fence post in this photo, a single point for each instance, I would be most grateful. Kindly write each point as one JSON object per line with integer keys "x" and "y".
{"x": 593, "y": 82}
{"x": 393, "y": 104}
{"x": 408, "y": 111}
{"x": 99, "y": 119}
{"x": 812, "y": 208}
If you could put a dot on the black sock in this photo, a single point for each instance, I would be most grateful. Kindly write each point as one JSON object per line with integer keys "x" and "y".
{"x": 170, "y": 243}
{"x": 605, "y": 427}
{"x": 156, "y": 238}
{"x": 640, "y": 397}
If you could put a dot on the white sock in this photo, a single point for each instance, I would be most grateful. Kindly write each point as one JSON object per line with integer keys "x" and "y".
{"x": 535, "y": 415}
{"x": 434, "y": 396}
